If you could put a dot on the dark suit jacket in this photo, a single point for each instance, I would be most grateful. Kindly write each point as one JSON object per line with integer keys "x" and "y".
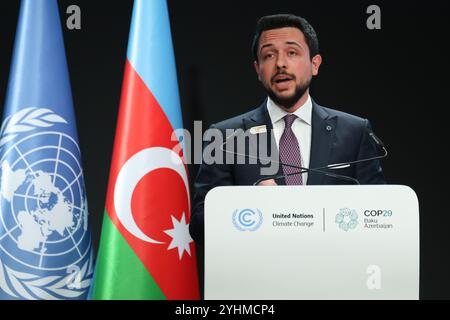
{"x": 336, "y": 137}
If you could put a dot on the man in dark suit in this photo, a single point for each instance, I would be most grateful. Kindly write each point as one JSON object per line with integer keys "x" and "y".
{"x": 299, "y": 132}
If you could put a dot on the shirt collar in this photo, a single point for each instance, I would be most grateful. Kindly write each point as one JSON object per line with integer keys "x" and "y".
{"x": 304, "y": 113}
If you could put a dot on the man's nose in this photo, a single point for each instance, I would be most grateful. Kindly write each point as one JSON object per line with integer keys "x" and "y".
{"x": 281, "y": 62}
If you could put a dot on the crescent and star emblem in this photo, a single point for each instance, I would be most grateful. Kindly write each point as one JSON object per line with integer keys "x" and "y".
{"x": 129, "y": 176}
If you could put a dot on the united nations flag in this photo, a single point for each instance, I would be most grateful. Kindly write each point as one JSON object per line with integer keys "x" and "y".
{"x": 45, "y": 242}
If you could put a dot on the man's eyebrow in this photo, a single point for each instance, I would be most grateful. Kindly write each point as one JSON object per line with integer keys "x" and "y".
{"x": 287, "y": 42}
{"x": 295, "y": 44}
{"x": 265, "y": 46}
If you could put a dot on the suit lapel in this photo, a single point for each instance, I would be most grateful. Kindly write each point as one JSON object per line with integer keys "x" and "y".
{"x": 323, "y": 132}
{"x": 261, "y": 118}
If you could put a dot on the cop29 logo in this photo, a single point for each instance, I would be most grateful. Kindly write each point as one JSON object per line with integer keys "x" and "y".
{"x": 247, "y": 219}
{"x": 347, "y": 219}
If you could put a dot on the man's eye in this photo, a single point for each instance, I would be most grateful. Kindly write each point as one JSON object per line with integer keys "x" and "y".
{"x": 268, "y": 56}
{"x": 292, "y": 53}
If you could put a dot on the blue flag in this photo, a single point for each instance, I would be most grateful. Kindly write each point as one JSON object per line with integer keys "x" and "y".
{"x": 45, "y": 241}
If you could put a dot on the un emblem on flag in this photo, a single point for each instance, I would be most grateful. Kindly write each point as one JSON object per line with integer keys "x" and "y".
{"x": 45, "y": 245}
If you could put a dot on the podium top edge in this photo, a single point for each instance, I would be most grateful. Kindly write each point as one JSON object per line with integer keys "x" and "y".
{"x": 378, "y": 187}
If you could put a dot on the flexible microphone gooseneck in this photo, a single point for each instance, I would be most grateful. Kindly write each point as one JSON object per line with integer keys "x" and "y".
{"x": 303, "y": 169}
{"x": 336, "y": 166}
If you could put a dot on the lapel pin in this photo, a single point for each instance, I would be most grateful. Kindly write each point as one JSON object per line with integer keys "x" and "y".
{"x": 258, "y": 130}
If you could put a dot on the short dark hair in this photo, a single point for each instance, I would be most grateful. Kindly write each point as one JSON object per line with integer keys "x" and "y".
{"x": 278, "y": 21}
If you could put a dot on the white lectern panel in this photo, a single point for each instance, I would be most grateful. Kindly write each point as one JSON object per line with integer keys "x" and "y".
{"x": 312, "y": 242}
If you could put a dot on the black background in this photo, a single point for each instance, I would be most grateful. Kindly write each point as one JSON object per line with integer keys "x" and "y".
{"x": 396, "y": 77}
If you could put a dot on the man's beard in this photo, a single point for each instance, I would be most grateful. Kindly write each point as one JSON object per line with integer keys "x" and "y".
{"x": 289, "y": 102}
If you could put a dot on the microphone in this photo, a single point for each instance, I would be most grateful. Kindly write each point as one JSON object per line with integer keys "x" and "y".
{"x": 336, "y": 166}
{"x": 303, "y": 169}
{"x": 343, "y": 165}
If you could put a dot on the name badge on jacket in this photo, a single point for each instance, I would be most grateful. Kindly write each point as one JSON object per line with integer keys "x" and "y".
{"x": 258, "y": 129}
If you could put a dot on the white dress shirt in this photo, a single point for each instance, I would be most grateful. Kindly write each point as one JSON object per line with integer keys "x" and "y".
{"x": 301, "y": 128}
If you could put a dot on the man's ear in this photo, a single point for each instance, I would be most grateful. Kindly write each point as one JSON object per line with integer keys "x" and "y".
{"x": 316, "y": 62}
{"x": 256, "y": 65}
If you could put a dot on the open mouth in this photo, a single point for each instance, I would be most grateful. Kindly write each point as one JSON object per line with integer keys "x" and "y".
{"x": 281, "y": 79}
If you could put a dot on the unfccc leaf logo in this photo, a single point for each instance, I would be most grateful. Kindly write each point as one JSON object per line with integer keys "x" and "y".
{"x": 347, "y": 219}
{"x": 247, "y": 219}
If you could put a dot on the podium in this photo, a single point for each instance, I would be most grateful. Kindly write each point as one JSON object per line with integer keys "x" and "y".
{"x": 312, "y": 242}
